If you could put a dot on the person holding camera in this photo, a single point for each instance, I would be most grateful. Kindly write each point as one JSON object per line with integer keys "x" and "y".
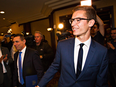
{"x": 6, "y": 42}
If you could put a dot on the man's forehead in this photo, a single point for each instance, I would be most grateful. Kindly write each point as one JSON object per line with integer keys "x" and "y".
{"x": 16, "y": 39}
{"x": 113, "y": 30}
{"x": 79, "y": 13}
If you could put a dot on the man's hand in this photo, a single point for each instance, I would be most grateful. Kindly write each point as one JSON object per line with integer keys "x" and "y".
{"x": 5, "y": 59}
{"x": 1, "y": 58}
{"x": 110, "y": 45}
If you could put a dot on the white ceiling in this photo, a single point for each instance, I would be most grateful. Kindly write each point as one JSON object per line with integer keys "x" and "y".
{"x": 22, "y": 11}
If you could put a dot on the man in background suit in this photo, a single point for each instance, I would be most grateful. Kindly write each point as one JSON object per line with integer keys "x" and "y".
{"x": 31, "y": 63}
{"x": 93, "y": 72}
{"x": 5, "y": 72}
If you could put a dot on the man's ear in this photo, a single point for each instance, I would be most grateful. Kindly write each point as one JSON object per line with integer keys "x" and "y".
{"x": 24, "y": 41}
{"x": 91, "y": 22}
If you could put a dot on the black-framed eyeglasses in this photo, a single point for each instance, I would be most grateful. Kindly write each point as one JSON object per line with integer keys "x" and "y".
{"x": 77, "y": 20}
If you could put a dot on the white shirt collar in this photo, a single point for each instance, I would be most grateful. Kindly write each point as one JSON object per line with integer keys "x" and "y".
{"x": 86, "y": 43}
{"x": 23, "y": 50}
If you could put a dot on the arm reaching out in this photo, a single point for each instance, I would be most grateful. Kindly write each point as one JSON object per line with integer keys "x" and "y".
{"x": 101, "y": 25}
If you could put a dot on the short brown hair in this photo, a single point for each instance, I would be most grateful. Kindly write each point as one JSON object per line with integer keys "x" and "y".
{"x": 20, "y": 35}
{"x": 90, "y": 11}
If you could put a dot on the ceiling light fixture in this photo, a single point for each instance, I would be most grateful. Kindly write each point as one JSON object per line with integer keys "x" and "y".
{"x": 2, "y": 12}
{"x": 61, "y": 26}
{"x": 49, "y": 29}
{"x": 86, "y": 2}
{"x": 3, "y": 18}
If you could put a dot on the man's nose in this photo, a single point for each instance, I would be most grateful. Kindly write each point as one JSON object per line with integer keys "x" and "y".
{"x": 73, "y": 23}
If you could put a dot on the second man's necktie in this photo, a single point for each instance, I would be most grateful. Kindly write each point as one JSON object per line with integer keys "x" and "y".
{"x": 20, "y": 69}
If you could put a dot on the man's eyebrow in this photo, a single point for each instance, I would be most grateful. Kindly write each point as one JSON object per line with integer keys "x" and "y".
{"x": 15, "y": 41}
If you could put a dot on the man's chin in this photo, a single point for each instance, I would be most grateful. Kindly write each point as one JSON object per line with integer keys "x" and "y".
{"x": 75, "y": 34}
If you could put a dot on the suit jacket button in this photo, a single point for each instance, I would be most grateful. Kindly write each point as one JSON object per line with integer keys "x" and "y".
{"x": 76, "y": 82}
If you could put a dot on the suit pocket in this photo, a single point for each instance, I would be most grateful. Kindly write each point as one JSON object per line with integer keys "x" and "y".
{"x": 91, "y": 72}
{"x": 94, "y": 65}
{"x": 93, "y": 68}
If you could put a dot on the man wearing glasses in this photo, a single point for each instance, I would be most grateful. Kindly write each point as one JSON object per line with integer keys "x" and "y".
{"x": 82, "y": 61}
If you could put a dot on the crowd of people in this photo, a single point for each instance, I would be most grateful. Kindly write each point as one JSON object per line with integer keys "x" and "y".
{"x": 82, "y": 58}
{"x": 36, "y": 58}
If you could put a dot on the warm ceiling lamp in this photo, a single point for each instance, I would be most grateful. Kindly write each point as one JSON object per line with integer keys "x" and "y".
{"x": 86, "y": 2}
{"x": 27, "y": 33}
{"x": 2, "y": 34}
{"x": 49, "y": 29}
{"x": 61, "y": 26}
{"x": 9, "y": 30}
{"x": 2, "y": 12}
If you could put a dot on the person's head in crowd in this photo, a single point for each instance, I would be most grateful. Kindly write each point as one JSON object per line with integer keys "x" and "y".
{"x": 113, "y": 34}
{"x": 95, "y": 29}
{"x": 19, "y": 41}
{"x": 6, "y": 38}
{"x": 83, "y": 19}
{"x": 38, "y": 37}
{"x": 12, "y": 36}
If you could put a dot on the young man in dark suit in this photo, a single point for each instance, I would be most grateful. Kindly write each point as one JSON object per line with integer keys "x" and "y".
{"x": 30, "y": 63}
{"x": 82, "y": 61}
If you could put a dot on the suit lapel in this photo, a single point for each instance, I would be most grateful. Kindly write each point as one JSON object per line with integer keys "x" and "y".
{"x": 25, "y": 57}
{"x": 91, "y": 52}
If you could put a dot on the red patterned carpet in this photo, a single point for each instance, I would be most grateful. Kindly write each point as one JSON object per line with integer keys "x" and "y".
{"x": 54, "y": 81}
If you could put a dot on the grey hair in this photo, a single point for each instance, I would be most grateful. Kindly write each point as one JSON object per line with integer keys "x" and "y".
{"x": 39, "y": 33}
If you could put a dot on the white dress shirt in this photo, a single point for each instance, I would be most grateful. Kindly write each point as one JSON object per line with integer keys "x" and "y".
{"x": 22, "y": 58}
{"x": 85, "y": 52}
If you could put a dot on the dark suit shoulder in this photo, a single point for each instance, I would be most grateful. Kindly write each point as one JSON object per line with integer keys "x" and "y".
{"x": 66, "y": 43}
{"x": 30, "y": 50}
{"x": 98, "y": 45}
{"x": 69, "y": 40}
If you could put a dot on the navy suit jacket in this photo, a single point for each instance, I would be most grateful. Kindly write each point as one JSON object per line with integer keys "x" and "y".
{"x": 31, "y": 65}
{"x": 93, "y": 74}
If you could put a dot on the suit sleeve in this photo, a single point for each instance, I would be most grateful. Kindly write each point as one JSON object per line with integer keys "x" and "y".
{"x": 102, "y": 77}
{"x": 55, "y": 66}
{"x": 15, "y": 73}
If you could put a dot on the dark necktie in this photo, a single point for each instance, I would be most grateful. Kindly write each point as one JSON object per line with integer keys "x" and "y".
{"x": 79, "y": 64}
{"x": 20, "y": 70}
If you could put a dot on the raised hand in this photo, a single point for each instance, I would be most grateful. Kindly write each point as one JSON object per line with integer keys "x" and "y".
{"x": 5, "y": 59}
